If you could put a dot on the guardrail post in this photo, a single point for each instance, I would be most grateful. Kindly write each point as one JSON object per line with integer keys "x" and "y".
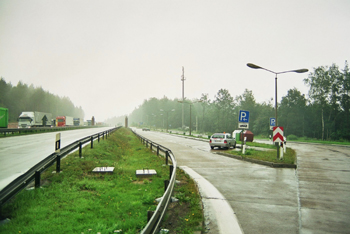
{"x": 58, "y": 163}
{"x": 166, "y": 157}
{"x": 157, "y": 150}
{"x": 106, "y": 135}
{"x": 151, "y": 146}
{"x": 166, "y": 184}
{"x": 149, "y": 215}
{"x": 98, "y": 137}
{"x": 103, "y": 135}
{"x": 37, "y": 179}
{"x": 171, "y": 168}
{"x": 92, "y": 142}
{"x": 80, "y": 153}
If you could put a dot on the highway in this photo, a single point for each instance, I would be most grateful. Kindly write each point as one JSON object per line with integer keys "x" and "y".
{"x": 312, "y": 199}
{"x": 20, "y": 153}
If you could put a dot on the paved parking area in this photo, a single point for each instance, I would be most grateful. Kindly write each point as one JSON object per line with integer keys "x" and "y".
{"x": 315, "y": 198}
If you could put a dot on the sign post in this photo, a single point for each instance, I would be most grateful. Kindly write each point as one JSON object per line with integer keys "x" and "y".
{"x": 272, "y": 123}
{"x": 243, "y": 123}
{"x": 243, "y": 119}
{"x": 278, "y": 137}
{"x": 58, "y": 143}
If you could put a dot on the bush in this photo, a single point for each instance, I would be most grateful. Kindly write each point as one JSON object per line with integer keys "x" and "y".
{"x": 292, "y": 137}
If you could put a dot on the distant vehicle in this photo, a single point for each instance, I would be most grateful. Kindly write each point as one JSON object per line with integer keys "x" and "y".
{"x": 222, "y": 140}
{"x": 146, "y": 129}
{"x": 4, "y": 117}
{"x": 77, "y": 122}
{"x": 64, "y": 121}
{"x": 30, "y": 119}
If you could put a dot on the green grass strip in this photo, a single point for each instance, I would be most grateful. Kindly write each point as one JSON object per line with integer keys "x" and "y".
{"x": 79, "y": 201}
{"x": 266, "y": 152}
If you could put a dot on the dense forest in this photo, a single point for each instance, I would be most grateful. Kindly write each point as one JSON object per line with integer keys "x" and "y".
{"x": 323, "y": 115}
{"x": 22, "y": 97}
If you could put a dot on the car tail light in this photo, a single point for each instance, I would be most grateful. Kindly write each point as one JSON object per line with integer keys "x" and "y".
{"x": 225, "y": 141}
{"x": 210, "y": 141}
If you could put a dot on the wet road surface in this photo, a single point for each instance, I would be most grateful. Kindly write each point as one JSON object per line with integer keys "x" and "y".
{"x": 315, "y": 198}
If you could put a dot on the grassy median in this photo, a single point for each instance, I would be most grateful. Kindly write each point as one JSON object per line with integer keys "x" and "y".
{"x": 267, "y": 153}
{"x": 80, "y": 201}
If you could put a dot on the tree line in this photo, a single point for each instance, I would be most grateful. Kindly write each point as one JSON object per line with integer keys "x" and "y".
{"x": 22, "y": 97}
{"x": 323, "y": 115}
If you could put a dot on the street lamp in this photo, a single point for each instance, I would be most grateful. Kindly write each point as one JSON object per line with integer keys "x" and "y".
{"x": 251, "y": 65}
{"x": 191, "y": 103}
{"x": 167, "y": 115}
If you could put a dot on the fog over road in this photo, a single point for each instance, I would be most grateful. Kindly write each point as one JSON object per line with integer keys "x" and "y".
{"x": 20, "y": 153}
{"x": 312, "y": 199}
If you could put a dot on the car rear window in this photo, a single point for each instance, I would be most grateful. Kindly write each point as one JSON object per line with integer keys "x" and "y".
{"x": 218, "y": 136}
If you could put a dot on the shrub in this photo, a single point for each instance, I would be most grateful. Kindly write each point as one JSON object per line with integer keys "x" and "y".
{"x": 292, "y": 137}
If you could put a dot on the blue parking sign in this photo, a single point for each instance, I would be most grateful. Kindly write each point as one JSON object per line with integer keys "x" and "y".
{"x": 243, "y": 116}
{"x": 273, "y": 122}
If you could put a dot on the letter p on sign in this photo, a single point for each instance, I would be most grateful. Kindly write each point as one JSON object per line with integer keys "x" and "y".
{"x": 243, "y": 116}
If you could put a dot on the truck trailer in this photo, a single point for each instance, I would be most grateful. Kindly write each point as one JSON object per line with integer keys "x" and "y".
{"x": 4, "y": 117}
{"x": 64, "y": 121}
{"x": 30, "y": 119}
{"x": 78, "y": 122}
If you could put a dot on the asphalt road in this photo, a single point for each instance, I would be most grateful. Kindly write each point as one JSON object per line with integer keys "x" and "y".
{"x": 20, "y": 153}
{"x": 315, "y": 198}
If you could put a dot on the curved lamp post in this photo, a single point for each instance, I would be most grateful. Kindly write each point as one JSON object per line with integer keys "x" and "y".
{"x": 251, "y": 65}
{"x": 167, "y": 115}
{"x": 191, "y": 103}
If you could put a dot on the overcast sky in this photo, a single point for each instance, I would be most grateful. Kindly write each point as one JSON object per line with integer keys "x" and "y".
{"x": 109, "y": 56}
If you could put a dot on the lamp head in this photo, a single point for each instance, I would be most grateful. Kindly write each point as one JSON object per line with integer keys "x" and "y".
{"x": 302, "y": 70}
{"x": 251, "y": 65}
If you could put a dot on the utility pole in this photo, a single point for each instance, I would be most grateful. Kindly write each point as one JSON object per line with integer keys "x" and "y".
{"x": 183, "y": 95}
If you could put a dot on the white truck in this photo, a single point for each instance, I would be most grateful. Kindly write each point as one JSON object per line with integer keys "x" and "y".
{"x": 29, "y": 119}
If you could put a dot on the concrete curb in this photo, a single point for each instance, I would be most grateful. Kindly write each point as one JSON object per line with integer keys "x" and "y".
{"x": 270, "y": 164}
{"x": 216, "y": 208}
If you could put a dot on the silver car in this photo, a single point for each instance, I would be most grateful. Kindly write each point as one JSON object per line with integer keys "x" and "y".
{"x": 222, "y": 140}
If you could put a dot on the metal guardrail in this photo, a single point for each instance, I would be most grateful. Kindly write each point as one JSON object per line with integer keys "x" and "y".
{"x": 34, "y": 173}
{"x": 156, "y": 217}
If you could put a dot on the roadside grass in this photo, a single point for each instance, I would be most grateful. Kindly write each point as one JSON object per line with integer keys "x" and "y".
{"x": 80, "y": 201}
{"x": 293, "y": 138}
{"x": 186, "y": 215}
{"x": 268, "y": 155}
{"x": 310, "y": 140}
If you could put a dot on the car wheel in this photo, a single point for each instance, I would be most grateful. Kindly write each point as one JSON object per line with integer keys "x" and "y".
{"x": 234, "y": 146}
{"x": 212, "y": 147}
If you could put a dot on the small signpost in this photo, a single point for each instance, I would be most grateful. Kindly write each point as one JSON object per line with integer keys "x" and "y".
{"x": 243, "y": 123}
{"x": 272, "y": 123}
{"x": 243, "y": 119}
{"x": 58, "y": 143}
{"x": 278, "y": 134}
{"x": 277, "y": 139}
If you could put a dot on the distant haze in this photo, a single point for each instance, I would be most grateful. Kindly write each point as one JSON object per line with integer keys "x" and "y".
{"x": 108, "y": 56}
